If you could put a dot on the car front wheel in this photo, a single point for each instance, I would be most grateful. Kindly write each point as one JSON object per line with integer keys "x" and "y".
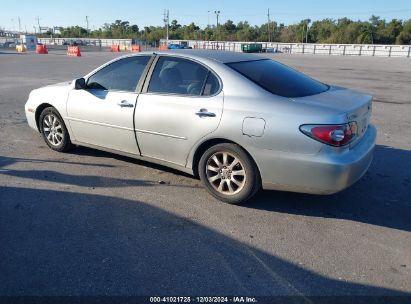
{"x": 229, "y": 174}
{"x": 54, "y": 130}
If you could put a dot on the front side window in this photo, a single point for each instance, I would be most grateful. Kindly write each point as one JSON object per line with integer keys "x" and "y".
{"x": 178, "y": 76}
{"x": 278, "y": 78}
{"x": 121, "y": 75}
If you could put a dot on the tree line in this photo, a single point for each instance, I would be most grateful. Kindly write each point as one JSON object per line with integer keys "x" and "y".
{"x": 342, "y": 31}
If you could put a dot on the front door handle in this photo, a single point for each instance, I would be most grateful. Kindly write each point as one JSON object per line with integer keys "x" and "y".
{"x": 205, "y": 113}
{"x": 125, "y": 104}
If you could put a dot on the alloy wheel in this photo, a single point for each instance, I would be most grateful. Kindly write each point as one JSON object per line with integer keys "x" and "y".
{"x": 52, "y": 129}
{"x": 226, "y": 173}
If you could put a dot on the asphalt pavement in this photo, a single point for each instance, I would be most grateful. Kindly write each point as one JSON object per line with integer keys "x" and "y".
{"x": 94, "y": 223}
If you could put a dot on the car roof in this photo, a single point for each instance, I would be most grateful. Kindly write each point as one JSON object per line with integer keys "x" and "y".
{"x": 219, "y": 56}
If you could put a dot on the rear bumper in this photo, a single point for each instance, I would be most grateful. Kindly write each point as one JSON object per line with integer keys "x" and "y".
{"x": 323, "y": 173}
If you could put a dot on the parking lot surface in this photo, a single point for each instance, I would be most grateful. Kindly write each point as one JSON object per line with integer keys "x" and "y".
{"x": 93, "y": 223}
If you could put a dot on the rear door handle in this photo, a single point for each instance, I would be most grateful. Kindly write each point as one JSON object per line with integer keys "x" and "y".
{"x": 125, "y": 104}
{"x": 205, "y": 113}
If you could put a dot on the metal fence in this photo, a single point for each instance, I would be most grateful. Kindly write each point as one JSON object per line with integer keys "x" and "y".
{"x": 308, "y": 48}
{"x": 85, "y": 41}
{"x": 290, "y": 48}
{"x": 93, "y": 44}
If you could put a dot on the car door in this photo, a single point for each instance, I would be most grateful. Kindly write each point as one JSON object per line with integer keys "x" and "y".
{"x": 181, "y": 103}
{"x": 102, "y": 113}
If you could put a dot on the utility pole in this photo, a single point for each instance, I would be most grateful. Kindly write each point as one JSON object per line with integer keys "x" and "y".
{"x": 303, "y": 33}
{"x": 19, "y": 25}
{"x": 307, "y": 22}
{"x": 87, "y": 26}
{"x": 166, "y": 20}
{"x": 217, "y": 13}
{"x": 208, "y": 19}
{"x": 269, "y": 25}
{"x": 38, "y": 22}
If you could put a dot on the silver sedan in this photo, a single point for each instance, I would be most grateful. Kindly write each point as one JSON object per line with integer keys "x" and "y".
{"x": 238, "y": 121}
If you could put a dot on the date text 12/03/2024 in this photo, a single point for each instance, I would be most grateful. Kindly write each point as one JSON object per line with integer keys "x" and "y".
{"x": 239, "y": 299}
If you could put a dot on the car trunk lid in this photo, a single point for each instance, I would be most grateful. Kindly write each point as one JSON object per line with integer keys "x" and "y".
{"x": 354, "y": 105}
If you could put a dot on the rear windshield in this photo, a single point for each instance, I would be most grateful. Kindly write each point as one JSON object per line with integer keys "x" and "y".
{"x": 278, "y": 78}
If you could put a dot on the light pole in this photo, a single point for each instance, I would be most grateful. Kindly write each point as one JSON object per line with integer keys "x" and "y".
{"x": 166, "y": 23}
{"x": 87, "y": 26}
{"x": 38, "y": 22}
{"x": 217, "y": 13}
{"x": 307, "y": 22}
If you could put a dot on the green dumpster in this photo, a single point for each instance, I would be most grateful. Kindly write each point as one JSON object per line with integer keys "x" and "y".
{"x": 252, "y": 48}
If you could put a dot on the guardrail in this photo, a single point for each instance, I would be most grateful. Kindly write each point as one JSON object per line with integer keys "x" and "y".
{"x": 308, "y": 48}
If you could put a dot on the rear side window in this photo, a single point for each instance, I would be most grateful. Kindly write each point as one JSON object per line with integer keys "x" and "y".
{"x": 278, "y": 78}
{"x": 121, "y": 75}
{"x": 180, "y": 76}
{"x": 212, "y": 86}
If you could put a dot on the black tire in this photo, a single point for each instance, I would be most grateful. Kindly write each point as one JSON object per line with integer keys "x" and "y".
{"x": 218, "y": 173}
{"x": 54, "y": 131}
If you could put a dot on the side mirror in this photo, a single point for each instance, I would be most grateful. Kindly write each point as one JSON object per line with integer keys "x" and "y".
{"x": 80, "y": 84}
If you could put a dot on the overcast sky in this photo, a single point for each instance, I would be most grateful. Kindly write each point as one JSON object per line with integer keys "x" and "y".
{"x": 142, "y": 13}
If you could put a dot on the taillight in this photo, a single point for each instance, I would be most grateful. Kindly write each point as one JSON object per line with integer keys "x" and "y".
{"x": 334, "y": 135}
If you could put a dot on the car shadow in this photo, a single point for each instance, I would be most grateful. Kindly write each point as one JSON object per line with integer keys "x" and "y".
{"x": 90, "y": 181}
{"x": 98, "y": 153}
{"x": 382, "y": 197}
{"x": 58, "y": 243}
{"x": 6, "y": 161}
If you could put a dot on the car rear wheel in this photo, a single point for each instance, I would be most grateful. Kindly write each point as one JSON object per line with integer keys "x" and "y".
{"x": 54, "y": 130}
{"x": 229, "y": 174}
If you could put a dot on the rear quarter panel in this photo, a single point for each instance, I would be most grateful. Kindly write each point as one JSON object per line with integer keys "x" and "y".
{"x": 283, "y": 117}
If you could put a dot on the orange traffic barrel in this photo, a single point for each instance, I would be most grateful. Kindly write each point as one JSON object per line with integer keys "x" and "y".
{"x": 73, "y": 51}
{"x": 135, "y": 48}
{"x": 115, "y": 48}
{"x": 41, "y": 49}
